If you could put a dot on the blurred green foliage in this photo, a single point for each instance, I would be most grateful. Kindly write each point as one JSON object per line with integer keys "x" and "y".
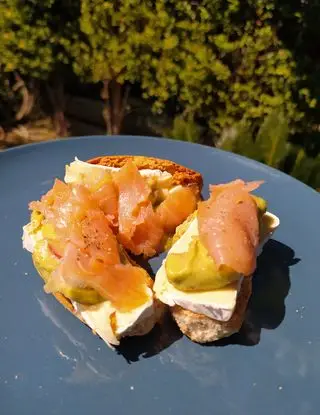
{"x": 184, "y": 128}
{"x": 243, "y": 71}
{"x": 306, "y": 168}
{"x": 223, "y": 61}
{"x": 270, "y": 145}
{"x": 26, "y": 39}
{"x": 107, "y": 49}
{"x": 32, "y": 35}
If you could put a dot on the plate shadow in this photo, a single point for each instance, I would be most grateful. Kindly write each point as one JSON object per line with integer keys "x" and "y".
{"x": 160, "y": 338}
{"x": 271, "y": 285}
{"x": 266, "y": 308}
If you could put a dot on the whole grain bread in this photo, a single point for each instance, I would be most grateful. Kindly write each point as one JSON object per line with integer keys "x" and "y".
{"x": 203, "y": 329}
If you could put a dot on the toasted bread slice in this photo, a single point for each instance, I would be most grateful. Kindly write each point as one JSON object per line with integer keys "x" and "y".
{"x": 142, "y": 327}
{"x": 181, "y": 176}
{"x": 203, "y": 329}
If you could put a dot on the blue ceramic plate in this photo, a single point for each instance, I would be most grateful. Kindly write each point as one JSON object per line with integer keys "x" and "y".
{"x": 50, "y": 363}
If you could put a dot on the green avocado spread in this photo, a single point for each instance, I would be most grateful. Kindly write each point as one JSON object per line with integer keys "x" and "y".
{"x": 45, "y": 263}
{"x": 261, "y": 205}
{"x": 195, "y": 269}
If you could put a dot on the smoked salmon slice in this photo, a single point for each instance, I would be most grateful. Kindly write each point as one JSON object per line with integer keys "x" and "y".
{"x": 86, "y": 221}
{"x": 125, "y": 286}
{"x": 100, "y": 242}
{"x": 175, "y": 209}
{"x": 229, "y": 227}
{"x": 107, "y": 197}
{"x": 86, "y": 246}
{"x": 52, "y": 200}
{"x": 133, "y": 193}
{"x": 140, "y": 230}
{"x": 148, "y": 234}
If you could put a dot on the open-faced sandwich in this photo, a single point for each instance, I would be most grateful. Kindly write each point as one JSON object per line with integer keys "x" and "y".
{"x": 83, "y": 232}
{"x": 207, "y": 273}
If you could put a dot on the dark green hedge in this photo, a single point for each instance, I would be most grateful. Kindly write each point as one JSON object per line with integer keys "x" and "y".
{"x": 220, "y": 62}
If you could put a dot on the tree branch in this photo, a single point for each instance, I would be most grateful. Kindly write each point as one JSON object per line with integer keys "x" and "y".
{"x": 106, "y": 112}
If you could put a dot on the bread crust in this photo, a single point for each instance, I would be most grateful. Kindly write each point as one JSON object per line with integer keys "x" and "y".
{"x": 203, "y": 329}
{"x": 141, "y": 328}
{"x": 181, "y": 174}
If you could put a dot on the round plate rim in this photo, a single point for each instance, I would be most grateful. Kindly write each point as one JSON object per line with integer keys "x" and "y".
{"x": 159, "y": 139}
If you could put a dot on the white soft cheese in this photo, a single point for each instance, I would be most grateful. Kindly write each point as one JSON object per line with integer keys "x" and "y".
{"x": 126, "y": 321}
{"x": 97, "y": 317}
{"x": 29, "y": 238}
{"x": 216, "y": 304}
